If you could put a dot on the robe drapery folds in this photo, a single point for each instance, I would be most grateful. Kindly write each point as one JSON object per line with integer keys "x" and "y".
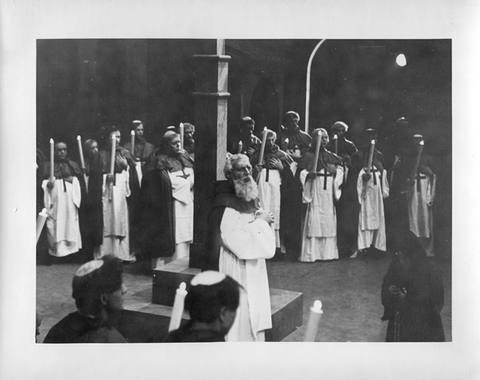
{"x": 371, "y": 226}
{"x": 119, "y": 204}
{"x": 420, "y": 200}
{"x": 272, "y": 183}
{"x": 63, "y": 227}
{"x": 319, "y": 236}
{"x": 239, "y": 245}
{"x": 63, "y": 203}
{"x": 167, "y": 205}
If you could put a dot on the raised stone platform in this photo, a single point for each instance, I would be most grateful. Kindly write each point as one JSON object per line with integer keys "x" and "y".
{"x": 287, "y": 306}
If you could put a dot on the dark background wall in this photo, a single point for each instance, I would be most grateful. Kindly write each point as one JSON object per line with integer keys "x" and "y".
{"x": 84, "y": 84}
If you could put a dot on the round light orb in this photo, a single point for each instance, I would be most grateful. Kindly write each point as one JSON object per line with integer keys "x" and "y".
{"x": 401, "y": 60}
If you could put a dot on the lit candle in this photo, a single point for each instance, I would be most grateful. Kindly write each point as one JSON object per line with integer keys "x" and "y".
{"x": 262, "y": 149}
{"x": 335, "y": 144}
{"x": 112, "y": 161}
{"x": 42, "y": 216}
{"x": 240, "y": 147}
{"x": 313, "y": 321}
{"x": 181, "y": 135}
{"x": 317, "y": 151}
{"x": 51, "y": 158}
{"x": 287, "y": 141}
{"x": 177, "y": 310}
{"x": 132, "y": 143}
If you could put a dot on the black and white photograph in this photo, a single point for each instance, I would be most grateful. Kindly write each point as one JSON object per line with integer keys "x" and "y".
{"x": 280, "y": 202}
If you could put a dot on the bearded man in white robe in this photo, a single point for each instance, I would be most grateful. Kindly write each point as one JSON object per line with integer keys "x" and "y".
{"x": 241, "y": 239}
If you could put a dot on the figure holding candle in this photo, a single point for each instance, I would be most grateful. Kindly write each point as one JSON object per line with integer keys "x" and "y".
{"x": 372, "y": 189}
{"x": 142, "y": 149}
{"x": 346, "y": 225}
{"x": 321, "y": 175}
{"x": 118, "y": 213}
{"x": 212, "y": 302}
{"x": 296, "y": 143}
{"x": 421, "y": 197}
{"x": 167, "y": 207}
{"x": 272, "y": 175}
{"x": 249, "y": 142}
{"x": 62, "y": 198}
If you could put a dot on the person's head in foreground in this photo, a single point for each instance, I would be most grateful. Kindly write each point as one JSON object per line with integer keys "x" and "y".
{"x": 98, "y": 288}
{"x": 239, "y": 170}
{"x": 212, "y": 302}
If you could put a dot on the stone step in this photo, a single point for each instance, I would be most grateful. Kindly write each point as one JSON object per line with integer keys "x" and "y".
{"x": 287, "y": 306}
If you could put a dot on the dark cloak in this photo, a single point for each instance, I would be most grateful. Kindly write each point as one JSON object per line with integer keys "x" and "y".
{"x": 419, "y": 313}
{"x": 157, "y": 205}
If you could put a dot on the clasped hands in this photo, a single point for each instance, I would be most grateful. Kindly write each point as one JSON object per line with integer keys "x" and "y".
{"x": 266, "y": 216}
{"x": 397, "y": 292}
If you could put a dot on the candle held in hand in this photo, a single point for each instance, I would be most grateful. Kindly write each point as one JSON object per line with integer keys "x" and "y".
{"x": 317, "y": 151}
{"x": 52, "y": 148}
{"x": 262, "y": 149}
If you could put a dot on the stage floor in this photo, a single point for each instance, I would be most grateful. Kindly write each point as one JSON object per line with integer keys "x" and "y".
{"x": 349, "y": 290}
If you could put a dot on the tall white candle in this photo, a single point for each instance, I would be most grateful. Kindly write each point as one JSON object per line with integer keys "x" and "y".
{"x": 42, "y": 216}
{"x": 80, "y": 151}
{"x": 132, "y": 142}
{"x": 52, "y": 148}
{"x": 317, "y": 151}
{"x": 181, "y": 128}
{"x": 313, "y": 321}
{"x": 335, "y": 143}
{"x": 262, "y": 149}
{"x": 177, "y": 310}
{"x": 370, "y": 156}
{"x": 240, "y": 147}
{"x": 417, "y": 160}
{"x": 112, "y": 161}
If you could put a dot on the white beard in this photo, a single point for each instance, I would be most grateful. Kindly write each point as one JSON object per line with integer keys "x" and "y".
{"x": 246, "y": 190}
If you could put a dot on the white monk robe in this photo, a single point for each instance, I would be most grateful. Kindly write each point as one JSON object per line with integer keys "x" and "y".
{"x": 247, "y": 242}
{"x": 115, "y": 219}
{"x": 269, "y": 195}
{"x": 63, "y": 228}
{"x": 371, "y": 222}
{"x": 319, "y": 235}
{"x": 420, "y": 202}
{"x": 182, "y": 192}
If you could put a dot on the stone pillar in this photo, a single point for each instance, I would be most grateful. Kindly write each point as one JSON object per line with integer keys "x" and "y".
{"x": 211, "y": 102}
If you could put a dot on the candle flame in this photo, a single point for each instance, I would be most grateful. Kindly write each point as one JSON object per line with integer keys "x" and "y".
{"x": 422, "y": 142}
{"x": 317, "y": 305}
{"x": 182, "y": 286}
{"x": 51, "y": 141}
{"x": 335, "y": 136}
{"x": 132, "y": 132}
{"x": 79, "y": 138}
{"x": 373, "y": 142}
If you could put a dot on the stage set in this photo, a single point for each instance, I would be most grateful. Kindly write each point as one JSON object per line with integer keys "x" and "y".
{"x": 84, "y": 84}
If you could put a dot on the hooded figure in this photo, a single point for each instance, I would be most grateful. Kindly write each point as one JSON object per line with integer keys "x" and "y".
{"x": 412, "y": 294}
{"x": 167, "y": 202}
